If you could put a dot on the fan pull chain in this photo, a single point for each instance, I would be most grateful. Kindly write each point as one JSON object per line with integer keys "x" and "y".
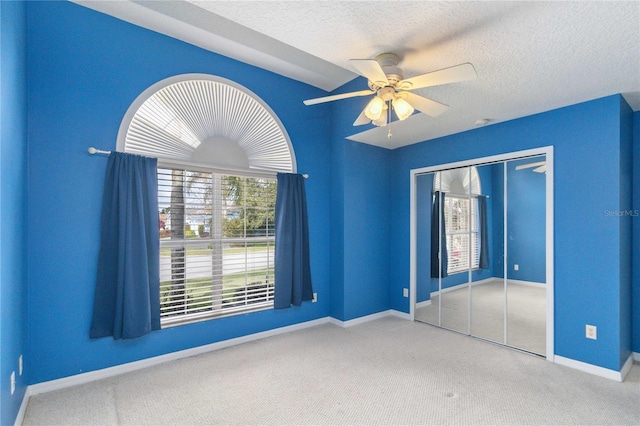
{"x": 389, "y": 120}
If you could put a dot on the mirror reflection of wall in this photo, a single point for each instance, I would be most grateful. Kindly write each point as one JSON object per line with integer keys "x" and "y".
{"x": 526, "y": 248}
{"x": 465, "y": 281}
{"x": 487, "y": 298}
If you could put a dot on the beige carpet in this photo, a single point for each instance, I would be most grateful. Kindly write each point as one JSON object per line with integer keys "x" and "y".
{"x": 386, "y": 372}
{"x": 526, "y": 314}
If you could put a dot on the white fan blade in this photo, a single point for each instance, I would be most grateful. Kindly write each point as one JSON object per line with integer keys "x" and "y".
{"x": 370, "y": 69}
{"x": 338, "y": 97}
{"x": 362, "y": 119}
{"x": 455, "y": 74}
{"x": 424, "y": 105}
{"x": 529, "y": 165}
{"x": 541, "y": 169}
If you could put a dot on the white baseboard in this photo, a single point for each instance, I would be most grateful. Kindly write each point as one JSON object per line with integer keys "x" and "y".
{"x": 367, "y": 318}
{"x": 488, "y": 280}
{"x": 91, "y": 376}
{"x": 23, "y": 407}
{"x": 626, "y": 368}
{"x": 423, "y": 303}
{"x": 463, "y": 285}
{"x": 399, "y": 314}
{"x": 607, "y": 373}
{"x": 531, "y": 283}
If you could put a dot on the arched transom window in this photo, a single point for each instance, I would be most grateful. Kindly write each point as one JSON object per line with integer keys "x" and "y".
{"x": 206, "y": 120}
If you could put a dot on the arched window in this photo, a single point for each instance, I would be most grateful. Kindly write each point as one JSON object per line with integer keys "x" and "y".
{"x": 218, "y": 147}
{"x": 206, "y": 120}
{"x": 462, "y": 228}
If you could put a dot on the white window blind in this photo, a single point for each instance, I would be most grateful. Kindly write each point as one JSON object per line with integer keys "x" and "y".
{"x": 463, "y": 238}
{"x": 216, "y": 244}
{"x": 462, "y": 186}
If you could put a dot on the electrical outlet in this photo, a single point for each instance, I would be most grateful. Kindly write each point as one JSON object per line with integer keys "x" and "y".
{"x": 405, "y": 292}
{"x": 13, "y": 382}
{"x": 591, "y": 332}
{"x": 516, "y": 267}
{"x": 315, "y": 297}
{"x": 20, "y": 365}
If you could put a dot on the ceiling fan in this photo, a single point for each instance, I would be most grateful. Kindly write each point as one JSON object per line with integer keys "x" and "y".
{"x": 392, "y": 91}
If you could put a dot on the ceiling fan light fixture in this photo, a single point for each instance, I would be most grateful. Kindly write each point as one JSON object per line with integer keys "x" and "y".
{"x": 402, "y": 108}
{"x": 382, "y": 120}
{"x": 374, "y": 108}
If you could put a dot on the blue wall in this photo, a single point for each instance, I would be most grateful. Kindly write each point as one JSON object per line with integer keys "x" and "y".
{"x": 367, "y": 216}
{"x": 526, "y": 215}
{"x": 635, "y": 251}
{"x": 86, "y": 69}
{"x": 525, "y": 220}
{"x": 13, "y": 174}
{"x": 588, "y": 249}
{"x": 360, "y": 217}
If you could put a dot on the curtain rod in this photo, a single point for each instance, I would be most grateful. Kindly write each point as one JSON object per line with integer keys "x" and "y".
{"x": 94, "y": 151}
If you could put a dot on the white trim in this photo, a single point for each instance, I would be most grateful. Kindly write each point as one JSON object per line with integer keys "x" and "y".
{"x": 399, "y": 314}
{"x": 413, "y": 242}
{"x": 626, "y": 367}
{"x": 465, "y": 285}
{"x": 367, "y": 318}
{"x": 423, "y": 304}
{"x": 607, "y": 373}
{"x": 635, "y": 356}
{"x": 505, "y": 252}
{"x": 529, "y": 283}
{"x": 550, "y": 254}
{"x": 83, "y": 378}
{"x": 486, "y": 160}
{"x": 548, "y": 152}
{"x": 91, "y": 376}
{"x": 23, "y": 407}
{"x": 475, "y": 283}
{"x": 452, "y": 288}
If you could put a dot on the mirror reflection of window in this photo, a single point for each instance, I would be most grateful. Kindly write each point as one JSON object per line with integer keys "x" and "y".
{"x": 461, "y": 187}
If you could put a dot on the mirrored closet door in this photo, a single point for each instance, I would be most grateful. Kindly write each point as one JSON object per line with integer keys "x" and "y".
{"x": 526, "y": 261}
{"x": 480, "y": 250}
{"x": 488, "y": 295}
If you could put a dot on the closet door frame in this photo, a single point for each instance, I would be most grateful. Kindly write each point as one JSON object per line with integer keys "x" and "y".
{"x": 548, "y": 152}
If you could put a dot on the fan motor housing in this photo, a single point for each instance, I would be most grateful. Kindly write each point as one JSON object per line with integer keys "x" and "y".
{"x": 387, "y": 93}
{"x": 394, "y": 76}
{"x": 389, "y": 64}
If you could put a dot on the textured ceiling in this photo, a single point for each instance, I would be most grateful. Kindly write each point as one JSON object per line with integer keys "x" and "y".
{"x": 530, "y": 56}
